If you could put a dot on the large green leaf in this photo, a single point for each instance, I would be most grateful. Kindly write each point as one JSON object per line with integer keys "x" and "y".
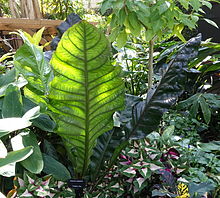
{"x": 12, "y": 103}
{"x": 34, "y": 163}
{"x": 85, "y": 91}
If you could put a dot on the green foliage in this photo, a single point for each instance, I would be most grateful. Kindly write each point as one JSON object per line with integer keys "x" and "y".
{"x": 158, "y": 18}
{"x": 34, "y": 68}
{"x": 184, "y": 125}
{"x": 20, "y": 153}
{"x": 133, "y": 62}
{"x": 60, "y": 9}
{"x": 82, "y": 95}
{"x": 206, "y": 102}
{"x": 140, "y": 117}
{"x": 146, "y": 115}
{"x": 52, "y": 166}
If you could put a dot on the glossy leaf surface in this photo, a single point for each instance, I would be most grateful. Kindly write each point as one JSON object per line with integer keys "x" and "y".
{"x": 146, "y": 115}
{"x": 85, "y": 91}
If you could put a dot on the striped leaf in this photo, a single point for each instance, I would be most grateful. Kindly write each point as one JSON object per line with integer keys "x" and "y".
{"x": 85, "y": 92}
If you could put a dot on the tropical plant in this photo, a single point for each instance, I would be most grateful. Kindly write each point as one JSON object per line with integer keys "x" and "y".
{"x": 185, "y": 125}
{"x": 82, "y": 95}
{"x": 141, "y": 117}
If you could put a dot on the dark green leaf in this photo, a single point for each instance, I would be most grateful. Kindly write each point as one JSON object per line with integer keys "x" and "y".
{"x": 194, "y": 109}
{"x": 205, "y": 110}
{"x": 44, "y": 122}
{"x": 55, "y": 168}
{"x": 49, "y": 149}
{"x": 146, "y": 115}
{"x": 12, "y": 103}
{"x": 188, "y": 102}
{"x": 106, "y": 145}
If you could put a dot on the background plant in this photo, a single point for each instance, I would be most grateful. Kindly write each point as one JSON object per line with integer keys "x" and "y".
{"x": 157, "y": 18}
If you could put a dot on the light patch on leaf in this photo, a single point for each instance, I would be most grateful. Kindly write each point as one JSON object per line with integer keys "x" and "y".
{"x": 182, "y": 180}
{"x": 144, "y": 171}
{"x": 140, "y": 181}
{"x": 178, "y": 170}
{"x": 3, "y": 150}
{"x": 154, "y": 167}
{"x": 13, "y": 124}
{"x": 135, "y": 190}
{"x": 21, "y": 182}
{"x": 130, "y": 180}
{"x": 8, "y": 170}
{"x": 130, "y": 171}
{"x": 133, "y": 151}
{"x": 26, "y": 194}
{"x": 153, "y": 156}
{"x": 115, "y": 186}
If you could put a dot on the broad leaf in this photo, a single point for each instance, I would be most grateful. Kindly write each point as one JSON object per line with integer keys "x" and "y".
{"x": 12, "y": 103}
{"x": 34, "y": 163}
{"x": 85, "y": 91}
{"x": 146, "y": 115}
{"x": 55, "y": 168}
{"x": 16, "y": 156}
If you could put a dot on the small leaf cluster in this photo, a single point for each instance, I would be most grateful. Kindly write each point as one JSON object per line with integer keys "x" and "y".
{"x": 158, "y": 18}
{"x": 204, "y": 101}
{"x": 32, "y": 186}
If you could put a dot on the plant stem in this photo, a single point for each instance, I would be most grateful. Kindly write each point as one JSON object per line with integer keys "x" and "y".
{"x": 150, "y": 64}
